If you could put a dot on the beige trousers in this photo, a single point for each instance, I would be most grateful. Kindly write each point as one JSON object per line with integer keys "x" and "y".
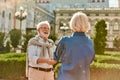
{"x": 35, "y": 74}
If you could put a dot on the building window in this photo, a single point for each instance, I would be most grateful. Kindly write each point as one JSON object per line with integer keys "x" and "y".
{"x": 97, "y": 14}
{"x": 116, "y": 26}
{"x": 108, "y": 26}
{"x": 103, "y": 0}
{"x": 44, "y": 1}
{"x": 98, "y": 0}
{"x": 9, "y": 16}
{"x": 106, "y": 14}
{"x": 3, "y": 14}
{"x": 93, "y": 0}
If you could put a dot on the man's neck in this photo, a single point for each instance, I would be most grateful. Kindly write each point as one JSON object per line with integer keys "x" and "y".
{"x": 44, "y": 38}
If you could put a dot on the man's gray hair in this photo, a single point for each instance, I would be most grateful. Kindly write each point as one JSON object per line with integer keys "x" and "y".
{"x": 41, "y": 23}
{"x": 79, "y": 22}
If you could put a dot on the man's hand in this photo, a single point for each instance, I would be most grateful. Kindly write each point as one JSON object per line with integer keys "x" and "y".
{"x": 48, "y": 61}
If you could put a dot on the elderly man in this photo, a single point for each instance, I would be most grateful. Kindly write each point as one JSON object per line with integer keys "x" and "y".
{"x": 40, "y": 54}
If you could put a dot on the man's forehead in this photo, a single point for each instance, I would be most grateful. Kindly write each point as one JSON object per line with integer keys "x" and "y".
{"x": 44, "y": 25}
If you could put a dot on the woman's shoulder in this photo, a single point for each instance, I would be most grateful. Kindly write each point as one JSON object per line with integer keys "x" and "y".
{"x": 65, "y": 38}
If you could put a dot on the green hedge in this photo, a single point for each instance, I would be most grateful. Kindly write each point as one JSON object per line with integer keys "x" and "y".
{"x": 12, "y": 66}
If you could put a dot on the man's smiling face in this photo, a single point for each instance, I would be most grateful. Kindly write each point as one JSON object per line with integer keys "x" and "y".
{"x": 44, "y": 31}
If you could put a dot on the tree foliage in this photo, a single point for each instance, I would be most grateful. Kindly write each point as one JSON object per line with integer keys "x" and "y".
{"x": 27, "y": 37}
{"x": 100, "y": 37}
{"x": 53, "y": 37}
{"x": 15, "y": 37}
{"x": 2, "y": 35}
{"x": 7, "y": 47}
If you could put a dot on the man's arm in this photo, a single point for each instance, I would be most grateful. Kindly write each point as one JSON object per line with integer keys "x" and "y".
{"x": 44, "y": 60}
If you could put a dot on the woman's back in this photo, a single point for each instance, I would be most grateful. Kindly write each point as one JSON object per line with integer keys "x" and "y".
{"x": 76, "y": 57}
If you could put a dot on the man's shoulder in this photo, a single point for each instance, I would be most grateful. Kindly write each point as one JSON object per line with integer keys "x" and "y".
{"x": 33, "y": 39}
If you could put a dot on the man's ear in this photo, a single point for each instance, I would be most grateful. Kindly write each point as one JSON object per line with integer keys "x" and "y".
{"x": 38, "y": 30}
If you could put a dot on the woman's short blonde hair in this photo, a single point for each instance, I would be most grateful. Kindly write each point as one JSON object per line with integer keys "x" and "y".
{"x": 79, "y": 22}
{"x": 41, "y": 23}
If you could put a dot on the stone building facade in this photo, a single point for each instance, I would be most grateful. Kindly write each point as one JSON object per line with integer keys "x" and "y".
{"x": 110, "y": 15}
{"x": 38, "y": 10}
{"x": 119, "y": 3}
{"x": 8, "y": 20}
{"x": 59, "y": 12}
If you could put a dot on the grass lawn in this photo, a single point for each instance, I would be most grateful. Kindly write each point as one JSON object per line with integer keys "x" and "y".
{"x": 105, "y": 74}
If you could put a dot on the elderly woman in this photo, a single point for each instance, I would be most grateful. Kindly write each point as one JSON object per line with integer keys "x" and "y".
{"x": 75, "y": 52}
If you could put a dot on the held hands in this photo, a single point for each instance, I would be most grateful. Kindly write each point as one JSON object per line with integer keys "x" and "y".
{"x": 51, "y": 62}
{"x": 48, "y": 61}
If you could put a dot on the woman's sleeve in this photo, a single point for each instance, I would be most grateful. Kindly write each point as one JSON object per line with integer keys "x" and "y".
{"x": 93, "y": 51}
{"x": 58, "y": 55}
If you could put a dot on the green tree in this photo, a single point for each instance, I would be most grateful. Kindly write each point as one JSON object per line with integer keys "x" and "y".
{"x": 7, "y": 47}
{"x": 116, "y": 42}
{"x": 15, "y": 37}
{"x": 27, "y": 37}
{"x": 52, "y": 32}
{"x": 100, "y": 37}
{"x": 53, "y": 37}
{"x": 2, "y": 35}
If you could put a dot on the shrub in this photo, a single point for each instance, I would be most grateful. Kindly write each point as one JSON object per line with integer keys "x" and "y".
{"x": 53, "y": 37}
{"x": 12, "y": 66}
{"x": 7, "y": 48}
{"x": 2, "y": 35}
{"x": 15, "y": 37}
{"x": 100, "y": 37}
{"x": 27, "y": 37}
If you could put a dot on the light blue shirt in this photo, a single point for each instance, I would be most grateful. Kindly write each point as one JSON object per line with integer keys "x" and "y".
{"x": 76, "y": 54}
{"x": 34, "y": 53}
